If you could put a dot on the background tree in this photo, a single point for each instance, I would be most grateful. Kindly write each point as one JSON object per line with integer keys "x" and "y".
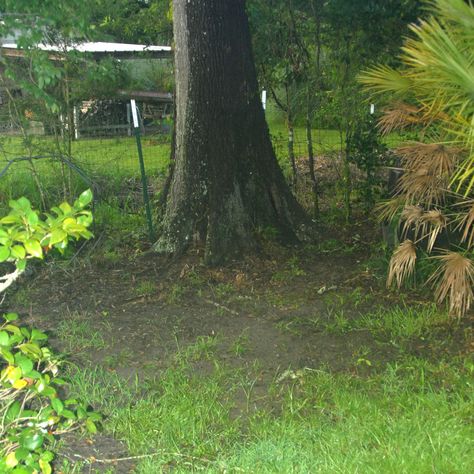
{"x": 226, "y": 182}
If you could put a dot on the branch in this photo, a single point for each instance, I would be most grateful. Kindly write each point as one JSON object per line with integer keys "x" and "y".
{"x": 8, "y": 279}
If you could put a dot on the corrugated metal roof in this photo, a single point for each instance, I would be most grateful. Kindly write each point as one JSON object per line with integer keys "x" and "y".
{"x": 98, "y": 47}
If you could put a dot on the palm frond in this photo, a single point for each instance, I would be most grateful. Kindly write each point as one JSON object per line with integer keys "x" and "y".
{"x": 438, "y": 159}
{"x": 466, "y": 222}
{"x": 402, "y": 263}
{"x": 454, "y": 281}
{"x": 387, "y": 210}
{"x": 398, "y": 116}
{"x": 382, "y": 79}
{"x": 433, "y": 222}
{"x": 412, "y": 218}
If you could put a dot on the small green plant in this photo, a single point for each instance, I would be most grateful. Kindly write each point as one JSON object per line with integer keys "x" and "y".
{"x": 292, "y": 269}
{"x": 224, "y": 290}
{"x": 78, "y": 335}
{"x": 31, "y": 410}
{"x": 203, "y": 348}
{"x": 175, "y": 293}
{"x": 145, "y": 288}
{"x": 338, "y": 323}
{"x": 240, "y": 346}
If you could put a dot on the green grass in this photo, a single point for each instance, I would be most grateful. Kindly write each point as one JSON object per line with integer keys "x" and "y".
{"x": 106, "y": 162}
{"x": 404, "y": 322}
{"x": 414, "y": 417}
{"x": 77, "y": 334}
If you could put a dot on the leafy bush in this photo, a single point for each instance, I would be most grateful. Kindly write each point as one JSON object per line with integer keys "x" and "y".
{"x": 24, "y": 234}
{"x": 431, "y": 94}
{"x": 32, "y": 411}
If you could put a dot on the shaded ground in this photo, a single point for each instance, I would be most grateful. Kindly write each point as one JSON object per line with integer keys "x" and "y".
{"x": 274, "y": 316}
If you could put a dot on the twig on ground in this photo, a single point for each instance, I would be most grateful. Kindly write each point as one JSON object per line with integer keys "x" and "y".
{"x": 221, "y": 306}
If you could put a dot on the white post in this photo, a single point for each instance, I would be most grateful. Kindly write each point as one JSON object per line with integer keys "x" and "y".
{"x": 372, "y": 109}
{"x": 75, "y": 114}
{"x": 264, "y": 99}
{"x": 134, "y": 113}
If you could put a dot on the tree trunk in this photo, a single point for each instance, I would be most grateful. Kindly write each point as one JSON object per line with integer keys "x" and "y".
{"x": 291, "y": 136}
{"x": 309, "y": 142}
{"x": 226, "y": 182}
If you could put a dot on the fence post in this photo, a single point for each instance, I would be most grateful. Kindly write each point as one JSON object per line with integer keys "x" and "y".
{"x": 75, "y": 115}
{"x": 146, "y": 199}
{"x": 129, "y": 121}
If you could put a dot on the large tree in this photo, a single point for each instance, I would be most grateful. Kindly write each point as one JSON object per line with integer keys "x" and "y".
{"x": 226, "y": 182}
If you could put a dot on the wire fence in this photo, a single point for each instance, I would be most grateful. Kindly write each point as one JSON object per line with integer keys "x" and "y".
{"x": 50, "y": 158}
{"x": 47, "y": 159}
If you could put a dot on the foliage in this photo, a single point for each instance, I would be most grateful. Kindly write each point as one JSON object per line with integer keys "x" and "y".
{"x": 32, "y": 409}
{"x": 433, "y": 93}
{"x": 367, "y": 151}
{"x": 25, "y": 234}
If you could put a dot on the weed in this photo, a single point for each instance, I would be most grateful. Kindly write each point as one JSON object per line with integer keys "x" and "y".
{"x": 223, "y": 290}
{"x": 120, "y": 359}
{"x": 203, "y": 348}
{"x": 145, "y": 288}
{"x": 240, "y": 346}
{"x": 338, "y": 322}
{"x": 292, "y": 269}
{"x": 78, "y": 335}
{"x": 175, "y": 294}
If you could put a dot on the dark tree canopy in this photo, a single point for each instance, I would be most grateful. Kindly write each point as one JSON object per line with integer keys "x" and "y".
{"x": 226, "y": 182}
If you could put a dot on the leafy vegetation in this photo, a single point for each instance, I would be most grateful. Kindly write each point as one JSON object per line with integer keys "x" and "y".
{"x": 32, "y": 410}
{"x": 432, "y": 93}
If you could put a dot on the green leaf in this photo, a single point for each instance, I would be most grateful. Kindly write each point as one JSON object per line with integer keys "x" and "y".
{"x": 91, "y": 427}
{"x": 22, "y": 470}
{"x": 21, "y": 265}
{"x": 33, "y": 247}
{"x": 4, "y": 253}
{"x": 21, "y": 454}
{"x": 32, "y": 218}
{"x": 10, "y": 317}
{"x": 10, "y": 219}
{"x": 57, "y": 235}
{"x": 4, "y": 339}
{"x": 47, "y": 456}
{"x": 25, "y": 364}
{"x": 31, "y": 349}
{"x": 58, "y": 405}
{"x": 18, "y": 252}
{"x": 68, "y": 414}
{"x": 84, "y": 199}
{"x": 7, "y": 355}
{"x": 30, "y": 439}
{"x": 65, "y": 207}
{"x": 13, "y": 412}
{"x": 37, "y": 335}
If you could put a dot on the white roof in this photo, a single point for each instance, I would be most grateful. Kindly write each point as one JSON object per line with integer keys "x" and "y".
{"x": 98, "y": 47}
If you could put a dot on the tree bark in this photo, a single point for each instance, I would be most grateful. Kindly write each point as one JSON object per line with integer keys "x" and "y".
{"x": 226, "y": 182}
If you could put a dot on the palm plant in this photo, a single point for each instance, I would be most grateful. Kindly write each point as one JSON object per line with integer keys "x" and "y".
{"x": 433, "y": 93}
